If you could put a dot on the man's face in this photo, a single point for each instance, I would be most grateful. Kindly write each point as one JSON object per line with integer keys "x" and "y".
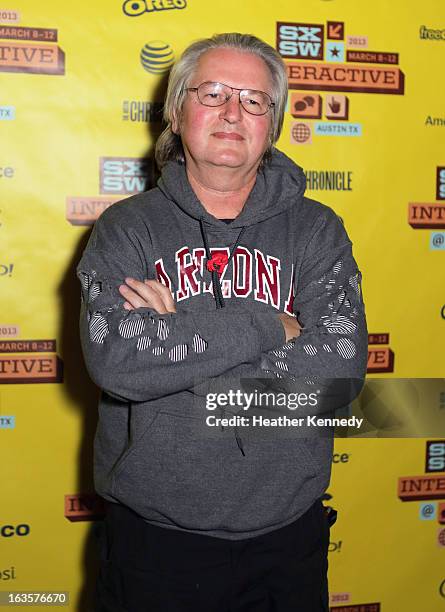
{"x": 226, "y": 135}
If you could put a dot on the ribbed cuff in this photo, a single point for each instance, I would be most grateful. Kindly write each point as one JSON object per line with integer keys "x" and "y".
{"x": 271, "y": 331}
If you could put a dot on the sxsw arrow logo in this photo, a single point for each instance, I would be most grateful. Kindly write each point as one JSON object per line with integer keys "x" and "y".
{"x": 335, "y": 30}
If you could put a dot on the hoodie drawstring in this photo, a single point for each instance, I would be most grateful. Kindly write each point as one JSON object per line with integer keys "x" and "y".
{"x": 219, "y": 298}
{"x": 239, "y": 442}
{"x": 217, "y": 291}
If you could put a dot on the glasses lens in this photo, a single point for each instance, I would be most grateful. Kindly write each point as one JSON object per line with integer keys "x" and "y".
{"x": 213, "y": 94}
{"x": 254, "y": 102}
{"x": 216, "y": 94}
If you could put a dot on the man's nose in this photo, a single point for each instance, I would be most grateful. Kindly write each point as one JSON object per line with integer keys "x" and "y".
{"x": 231, "y": 111}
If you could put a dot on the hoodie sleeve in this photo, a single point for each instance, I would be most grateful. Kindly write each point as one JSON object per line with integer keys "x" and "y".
{"x": 140, "y": 355}
{"x": 333, "y": 343}
{"x": 329, "y": 305}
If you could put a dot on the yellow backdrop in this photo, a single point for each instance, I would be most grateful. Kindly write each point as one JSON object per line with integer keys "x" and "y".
{"x": 81, "y": 85}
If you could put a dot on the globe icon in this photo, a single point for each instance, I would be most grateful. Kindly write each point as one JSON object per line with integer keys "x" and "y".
{"x": 157, "y": 57}
{"x": 300, "y": 132}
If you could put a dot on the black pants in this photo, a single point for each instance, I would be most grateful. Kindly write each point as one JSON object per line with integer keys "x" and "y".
{"x": 145, "y": 568}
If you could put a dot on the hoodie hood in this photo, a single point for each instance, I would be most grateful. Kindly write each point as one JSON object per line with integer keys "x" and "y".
{"x": 279, "y": 184}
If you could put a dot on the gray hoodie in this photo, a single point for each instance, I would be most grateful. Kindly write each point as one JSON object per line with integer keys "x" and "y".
{"x": 283, "y": 253}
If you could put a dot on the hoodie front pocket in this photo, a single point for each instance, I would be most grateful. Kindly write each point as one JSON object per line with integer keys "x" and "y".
{"x": 132, "y": 448}
{"x": 171, "y": 467}
{"x": 175, "y": 475}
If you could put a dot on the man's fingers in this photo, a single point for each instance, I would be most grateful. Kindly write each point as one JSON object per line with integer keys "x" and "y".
{"x": 134, "y": 299}
{"x": 150, "y": 294}
{"x": 140, "y": 295}
{"x": 164, "y": 292}
{"x": 291, "y": 326}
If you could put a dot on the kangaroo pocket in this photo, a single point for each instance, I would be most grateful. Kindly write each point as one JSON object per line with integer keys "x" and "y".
{"x": 173, "y": 474}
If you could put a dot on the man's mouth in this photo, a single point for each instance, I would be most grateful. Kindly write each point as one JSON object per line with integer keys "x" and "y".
{"x": 228, "y": 135}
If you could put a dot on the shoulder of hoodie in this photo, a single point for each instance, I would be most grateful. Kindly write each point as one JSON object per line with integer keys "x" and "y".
{"x": 133, "y": 210}
{"x": 310, "y": 215}
{"x": 319, "y": 219}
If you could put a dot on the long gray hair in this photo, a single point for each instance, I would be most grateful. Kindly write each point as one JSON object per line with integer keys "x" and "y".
{"x": 169, "y": 146}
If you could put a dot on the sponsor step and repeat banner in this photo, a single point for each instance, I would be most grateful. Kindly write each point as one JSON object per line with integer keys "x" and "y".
{"x": 81, "y": 93}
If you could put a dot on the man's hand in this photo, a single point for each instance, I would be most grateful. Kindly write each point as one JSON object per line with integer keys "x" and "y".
{"x": 153, "y": 294}
{"x": 291, "y": 326}
{"x": 149, "y": 294}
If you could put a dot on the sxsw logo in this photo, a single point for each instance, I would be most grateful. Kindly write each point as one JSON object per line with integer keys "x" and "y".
{"x": 435, "y": 456}
{"x": 300, "y": 40}
{"x": 124, "y": 175}
{"x": 440, "y": 183}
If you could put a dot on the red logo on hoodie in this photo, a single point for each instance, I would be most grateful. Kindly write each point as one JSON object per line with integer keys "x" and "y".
{"x": 217, "y": 262}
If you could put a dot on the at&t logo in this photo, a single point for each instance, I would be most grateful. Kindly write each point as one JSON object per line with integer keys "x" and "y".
{"x": 157, "y": 57}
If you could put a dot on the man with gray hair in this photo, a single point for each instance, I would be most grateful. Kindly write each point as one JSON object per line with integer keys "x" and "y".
{"x": 223, "y": 270}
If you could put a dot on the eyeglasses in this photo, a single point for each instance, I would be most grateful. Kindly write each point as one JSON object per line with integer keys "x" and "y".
{"x": 216, "y": 94}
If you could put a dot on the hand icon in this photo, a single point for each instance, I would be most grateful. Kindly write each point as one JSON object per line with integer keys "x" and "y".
{"x": 334, "y": 105}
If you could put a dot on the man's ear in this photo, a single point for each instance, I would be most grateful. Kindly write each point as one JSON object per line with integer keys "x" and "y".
{"x": 175, "y": 125}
